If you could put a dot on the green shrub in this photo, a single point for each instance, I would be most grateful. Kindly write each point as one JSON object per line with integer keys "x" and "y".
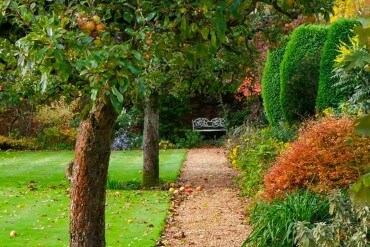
{"x": 253, "y": 152}
{"x": 273, "y": 224}
{"x": 350, "y": 226}
{"x": 58, "y": 137}
{"x": 7, "y": 143}
{"x": 271, "y": 84}
{"x": 57, "y": 124}
{"x": 165, "y": 144}
{"x": 253, "y": 158}
{"x": 299, "y": 72}
{"x": 172, "y": 113}
{"x": 113, "y": 184}
{"x": 328, "y": 95}
{"x": 129, "y": 119}
{"x": 192, "y": 139}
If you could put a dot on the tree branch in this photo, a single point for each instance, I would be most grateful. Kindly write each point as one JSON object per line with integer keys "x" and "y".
{"x": 291, "y": 15}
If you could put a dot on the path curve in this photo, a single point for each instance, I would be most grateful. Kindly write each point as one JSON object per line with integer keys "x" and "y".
{"x": 213, "y": 216}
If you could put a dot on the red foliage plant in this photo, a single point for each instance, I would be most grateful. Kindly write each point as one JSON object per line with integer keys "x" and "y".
{"x": 327, "y": 155}
{"x": 249, "y": 87}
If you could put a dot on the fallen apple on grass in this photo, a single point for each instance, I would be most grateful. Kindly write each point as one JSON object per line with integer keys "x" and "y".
{"x": 13, "y": 234}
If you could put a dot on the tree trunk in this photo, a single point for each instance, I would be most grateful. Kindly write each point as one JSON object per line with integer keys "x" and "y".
{"x": 89, "y": 178}
{"x": 151, "y": 142}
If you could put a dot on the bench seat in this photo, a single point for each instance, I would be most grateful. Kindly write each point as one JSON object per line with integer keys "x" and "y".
{"x": 205, "y": 125}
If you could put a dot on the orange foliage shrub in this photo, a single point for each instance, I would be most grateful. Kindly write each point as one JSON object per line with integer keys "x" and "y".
{"x": 326, "y": 155}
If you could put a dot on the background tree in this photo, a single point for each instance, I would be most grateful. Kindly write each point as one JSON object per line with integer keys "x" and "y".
{"x": 350, "y": 9}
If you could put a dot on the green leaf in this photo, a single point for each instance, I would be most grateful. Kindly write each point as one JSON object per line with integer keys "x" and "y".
{"x": 220, "y": 24}
{"x": 166, "y": 21}
{"x": 137, "y": 55}
{"x": 117, "y": 94}
{"x": 117, "y": 106}
{"x": 150, "y": 16}
{"x": 139, "y": 19}
{"x": 60, "y": 46}
{"x": 362, "y": 126}
{"x": 204, "y": 32}
{"x": 40, "y": 54}
{"x": 363, "y": 34}
{"x": 32, "y": 6}
{"x": 123, "y": 84}
{"x": 49, "y": 31}
{"x": 128, "y": 16}
{"x": 184, "y": 24}
{"x": 6, "y": 3}
{"x": 357, "y": 59}
{"x": 193, "y": 27}
{"x": 331, "y": 208}
{"x": 366, "y": 180}
{"x": 360, "y": 191}
{"x": 130, "y": 31}
{"x": 23, "y": 9}
{"x": 132, "y": 68}
{"x": 234, "y": 9}
{"x": 213, "y": 38}
{"x": 94, "y": 94}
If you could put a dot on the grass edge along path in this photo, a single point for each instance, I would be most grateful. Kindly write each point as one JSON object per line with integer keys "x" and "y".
{"x": 35, "y": 202}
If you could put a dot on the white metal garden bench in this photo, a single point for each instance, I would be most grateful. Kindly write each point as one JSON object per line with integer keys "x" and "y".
{"x": 205, "y": 125}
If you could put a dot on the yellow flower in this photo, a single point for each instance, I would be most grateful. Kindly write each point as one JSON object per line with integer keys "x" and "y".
{"x": 328, "y": 112}
{"x": 360, "y": 112}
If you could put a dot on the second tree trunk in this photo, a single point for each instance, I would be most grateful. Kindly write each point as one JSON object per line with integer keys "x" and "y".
{"x": 151, "y": 142}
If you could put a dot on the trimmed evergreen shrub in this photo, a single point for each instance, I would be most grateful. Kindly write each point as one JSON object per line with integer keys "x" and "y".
{"x": 271, "y": 84}
{"x": 327, "y": 95}
{"x": 299, "y": 72}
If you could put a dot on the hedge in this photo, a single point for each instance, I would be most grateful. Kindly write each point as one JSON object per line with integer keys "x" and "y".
{"x": 299, "y": 72}
{"x": 328, "y": 95}
{"x": 271, "y": 84}
{"x": 7, "y": 143}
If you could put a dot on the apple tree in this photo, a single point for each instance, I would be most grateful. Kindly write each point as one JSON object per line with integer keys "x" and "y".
{"x": 88, "y": 48}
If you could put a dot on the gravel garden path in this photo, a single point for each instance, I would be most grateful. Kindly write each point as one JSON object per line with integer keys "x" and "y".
{"x": 212, "y": 215}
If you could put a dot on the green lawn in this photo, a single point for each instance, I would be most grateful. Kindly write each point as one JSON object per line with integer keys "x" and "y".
{"x": 40, "y": 216}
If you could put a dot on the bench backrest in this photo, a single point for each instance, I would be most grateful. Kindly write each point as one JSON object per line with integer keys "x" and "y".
{"x": 204, "y": 123}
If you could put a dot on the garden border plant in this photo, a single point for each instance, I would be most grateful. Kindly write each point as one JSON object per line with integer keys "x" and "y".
{"x": 273, "y": 224}
{"x": 327, "y": 155}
